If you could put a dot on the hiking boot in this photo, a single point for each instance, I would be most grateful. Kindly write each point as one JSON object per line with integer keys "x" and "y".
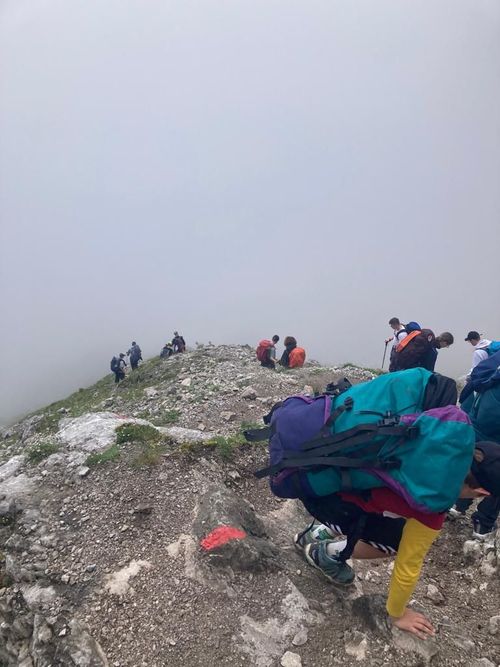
{"x": 336, "y": 571}
{"x": 316, "y": 532}
{"x": 480, "y": 532}
{"x": 453, "y": 513}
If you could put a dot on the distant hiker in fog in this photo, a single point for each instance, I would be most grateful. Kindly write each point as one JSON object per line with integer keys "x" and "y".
{"x": 118, "y": 366}
{"x": 266, "y": 352}
{"x": 167, "y": 351}
{"x": 135, "y": 355}
{"x": 178, "y": 342}
{"x": 293, "y": 356}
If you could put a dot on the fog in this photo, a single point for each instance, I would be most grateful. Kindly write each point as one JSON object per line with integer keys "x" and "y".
{"x": 239, "y": 169}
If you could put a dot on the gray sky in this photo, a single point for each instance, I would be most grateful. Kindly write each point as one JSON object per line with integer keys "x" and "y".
{"x": 236, "y": 169}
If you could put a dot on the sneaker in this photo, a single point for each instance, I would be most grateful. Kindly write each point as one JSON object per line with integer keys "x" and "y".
{"x": 336, "y": 571}
{"x": 316, "y": 532}
{"x": 479, "y": 532}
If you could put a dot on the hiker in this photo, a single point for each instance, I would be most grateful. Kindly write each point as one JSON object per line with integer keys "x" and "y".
{"x": 135, "y": 355}
{"x": 419, "y": 349}
{"x": 377, "y": 486}
{"x": 441, "y": 342}
{"x": 407, "y": 537}
{"x": 266, "y": 352}
{"x": 399, "y": 332}
{"x": 118, "y": 365}
{"x": 480, "y": 399}
{"x": 483, "y": 348}
{"x": 167, "y": 351}
{"x": 178, "y": 343}
{"x": 293, "y": 356}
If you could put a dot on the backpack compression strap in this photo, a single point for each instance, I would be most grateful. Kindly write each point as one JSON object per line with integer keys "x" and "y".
{"x": 259, "y": 434}
{"x": 317, "y": 452}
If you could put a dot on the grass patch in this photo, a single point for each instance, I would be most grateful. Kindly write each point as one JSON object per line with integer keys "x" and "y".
{"x": 136, "y": 433}
{"x": 149, "y": 454}
{"x": 41, "y": 451}
{"x": 223, "y": 446}
{"x": 48, "y": 423}
{"x": 109, "y": 454}
{"x": 165, "y": 417}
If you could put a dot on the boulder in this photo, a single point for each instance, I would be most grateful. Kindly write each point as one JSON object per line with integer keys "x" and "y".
{"x": 230, "y": 534}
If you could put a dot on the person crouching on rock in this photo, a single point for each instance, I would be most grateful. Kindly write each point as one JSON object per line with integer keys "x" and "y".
{"x": 387, "y": 526}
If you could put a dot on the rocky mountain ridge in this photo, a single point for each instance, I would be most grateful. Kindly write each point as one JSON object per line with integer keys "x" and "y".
{"x": 111, "y": 504}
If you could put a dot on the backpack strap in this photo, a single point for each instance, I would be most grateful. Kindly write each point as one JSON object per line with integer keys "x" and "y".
{"x": 317, "y": 452}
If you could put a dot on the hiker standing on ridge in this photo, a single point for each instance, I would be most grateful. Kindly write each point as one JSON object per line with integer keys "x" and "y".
{"x": 118, "y": 366}
{"x": 398, "y": 335}
{"x": 178, "y": 343}
{"x": 266, "y": 352}
{"x": 135, "y": 355}
{"x": 483, "y": 348}
{"x": 293, "y": 356}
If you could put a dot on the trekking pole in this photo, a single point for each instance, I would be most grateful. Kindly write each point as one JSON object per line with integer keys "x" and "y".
{"x": 385, "y": 351}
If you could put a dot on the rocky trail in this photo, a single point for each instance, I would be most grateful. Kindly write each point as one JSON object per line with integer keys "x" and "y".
{"x": 134, "y": 534}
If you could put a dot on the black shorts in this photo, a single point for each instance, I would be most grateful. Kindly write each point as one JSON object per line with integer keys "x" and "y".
{"x": 382, "y": 532}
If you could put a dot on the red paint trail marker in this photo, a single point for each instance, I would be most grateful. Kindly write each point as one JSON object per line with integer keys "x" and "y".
{"x": 220, "y": 536}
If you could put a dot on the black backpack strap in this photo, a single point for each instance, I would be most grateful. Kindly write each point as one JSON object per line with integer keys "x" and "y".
{"x": 258, "y": 434}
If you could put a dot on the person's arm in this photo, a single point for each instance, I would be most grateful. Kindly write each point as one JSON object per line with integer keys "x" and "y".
{"x": 413, "y": 548}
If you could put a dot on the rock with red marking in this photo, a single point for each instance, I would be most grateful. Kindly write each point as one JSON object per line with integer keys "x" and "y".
{"x": 230, "y": 534}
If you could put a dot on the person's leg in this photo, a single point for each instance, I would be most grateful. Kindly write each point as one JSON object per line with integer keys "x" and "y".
{"x": 379, "y": 536}
{"x": 486, "y": 515}
{"x": 117, "y": 377}
{"x": 462, "y": 505}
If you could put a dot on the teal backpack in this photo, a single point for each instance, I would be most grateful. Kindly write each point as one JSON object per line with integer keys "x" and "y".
{"x": 401, "y": 430}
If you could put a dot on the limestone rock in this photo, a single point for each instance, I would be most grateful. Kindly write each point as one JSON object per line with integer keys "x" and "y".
{"x": 473, "y": 550}
{"x": 249, "y": 394}
{"x": 93, "y": 431}
{"x": 434, "y": 594}
{"x": 426, "y": 648}
{"x": 230, "y": 534}
{"x": 290, "y": 659}
{"x": 300, "y": 638}
{"x": 356, "y": 644}
{"x": 494, "y": 625}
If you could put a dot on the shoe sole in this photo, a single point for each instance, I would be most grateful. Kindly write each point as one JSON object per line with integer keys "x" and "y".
{"x": 332, "y": 580}
{"x": 481, "y": 537}
{"x": 300, "y": 548}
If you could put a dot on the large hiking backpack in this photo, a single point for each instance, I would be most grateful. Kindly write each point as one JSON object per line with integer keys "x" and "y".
{"x": 115, "y": 364}
{"x": 483, "y": 406}
{"x": 262, "y": 349}
{"x": 493, "y": 347}
{"x": 401, "y": 430}
{"x": 296, "y": 357}
{"x": 413, "y": 351}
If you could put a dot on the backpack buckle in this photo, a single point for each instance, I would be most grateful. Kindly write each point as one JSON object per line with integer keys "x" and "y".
{"x": 389, "y": 419}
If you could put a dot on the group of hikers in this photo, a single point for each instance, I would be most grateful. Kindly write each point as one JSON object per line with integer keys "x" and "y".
{"x": 292, "y": 357}
{"x": 380, "y": 465}
{"x": 119, "y": 365}
{"x": 175, "y": 346}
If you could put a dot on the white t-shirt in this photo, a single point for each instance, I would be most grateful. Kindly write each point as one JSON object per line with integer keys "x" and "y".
{"x": 480, "y": 353}
{"x": 398, "y": 336}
